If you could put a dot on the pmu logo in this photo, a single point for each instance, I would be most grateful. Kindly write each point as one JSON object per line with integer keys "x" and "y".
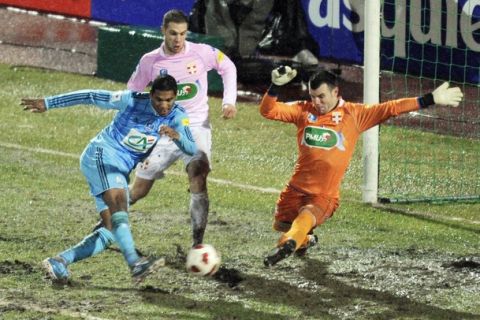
{"x": 324, "y": 138}
{"x": 186, "y": 91}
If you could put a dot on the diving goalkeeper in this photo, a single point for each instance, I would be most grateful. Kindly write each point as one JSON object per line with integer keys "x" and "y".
{"x": 328, "y": 128}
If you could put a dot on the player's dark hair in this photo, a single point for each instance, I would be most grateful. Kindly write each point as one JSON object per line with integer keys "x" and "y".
{"x": 323, "y": 76}
{"x": 175, "y": 16}
{"x": 164, "y": 83}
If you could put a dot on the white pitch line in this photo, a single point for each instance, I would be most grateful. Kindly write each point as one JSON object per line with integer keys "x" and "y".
{"x": 177, "y": 173}
{"x": 215, "y": 180}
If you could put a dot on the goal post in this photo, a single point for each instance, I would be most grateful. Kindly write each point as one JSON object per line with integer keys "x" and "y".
{"x": 431, "y": 155}
{"x": 371, "y": 89}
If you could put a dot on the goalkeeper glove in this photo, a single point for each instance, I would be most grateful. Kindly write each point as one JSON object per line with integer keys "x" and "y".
{"x": 443, "y": 95}
{"x": 447, "y": 96}
{"x": 283, "y": 75}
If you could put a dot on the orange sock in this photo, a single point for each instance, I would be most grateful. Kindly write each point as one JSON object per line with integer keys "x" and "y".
{"x": 302, "y": 224}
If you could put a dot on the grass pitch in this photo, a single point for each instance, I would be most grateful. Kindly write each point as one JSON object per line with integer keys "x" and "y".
{"x": 369, "y": 264}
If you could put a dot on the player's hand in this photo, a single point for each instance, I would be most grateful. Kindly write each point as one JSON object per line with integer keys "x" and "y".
{"x": 172, "y": 134}
{"x": 447, "y": 96}
{"x": 229, "y": 111}
{"x": 283, "y": 75}
{"x": 33, "y": 105}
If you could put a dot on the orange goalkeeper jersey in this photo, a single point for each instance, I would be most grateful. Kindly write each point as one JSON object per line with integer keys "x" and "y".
{"x": 326, "y": 142}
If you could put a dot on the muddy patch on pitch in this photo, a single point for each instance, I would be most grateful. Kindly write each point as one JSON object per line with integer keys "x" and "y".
{"x": 16, "y": 267}
{"x": 467, "y": 263}
{"x": 230, "y": 276}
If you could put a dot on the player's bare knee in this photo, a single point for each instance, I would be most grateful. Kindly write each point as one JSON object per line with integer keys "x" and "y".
{"x": 116, "y": 199}
{"x": 197, "y": 176}
{"x": 198, "y": 168}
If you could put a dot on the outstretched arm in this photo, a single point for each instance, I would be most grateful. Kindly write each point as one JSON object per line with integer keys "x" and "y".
{"x": 101, "y": 98}
{"x": 370, "y": 116}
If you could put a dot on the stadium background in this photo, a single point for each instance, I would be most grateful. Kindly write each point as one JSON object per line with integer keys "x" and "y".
{"x": 80, "y": 43}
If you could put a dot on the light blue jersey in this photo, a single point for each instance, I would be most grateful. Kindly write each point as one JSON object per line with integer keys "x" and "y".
{"x": 108, "y": 159}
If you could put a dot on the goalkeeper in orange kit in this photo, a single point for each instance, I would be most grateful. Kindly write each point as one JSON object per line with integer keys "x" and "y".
{"x": 328, "y": 128}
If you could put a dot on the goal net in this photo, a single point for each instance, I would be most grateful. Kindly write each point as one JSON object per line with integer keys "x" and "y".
{"x": 423, "y": 44}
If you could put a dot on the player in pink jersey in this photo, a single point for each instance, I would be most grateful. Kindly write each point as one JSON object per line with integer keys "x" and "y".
{"x": 188, "y": 63}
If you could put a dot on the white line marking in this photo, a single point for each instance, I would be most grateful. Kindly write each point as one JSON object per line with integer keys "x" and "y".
{"x": 215, "y": 180}
{"x": 177, "y": 173}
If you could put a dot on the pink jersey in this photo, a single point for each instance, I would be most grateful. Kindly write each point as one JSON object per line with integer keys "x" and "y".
{"x": 190, "y": 69}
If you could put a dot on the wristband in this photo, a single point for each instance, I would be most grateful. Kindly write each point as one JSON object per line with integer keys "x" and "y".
{"x": 426, "y": 100}
{"x": 273, "y": 90}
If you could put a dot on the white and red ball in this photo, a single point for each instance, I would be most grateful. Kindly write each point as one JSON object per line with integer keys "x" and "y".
{"x": 203, "y": 260}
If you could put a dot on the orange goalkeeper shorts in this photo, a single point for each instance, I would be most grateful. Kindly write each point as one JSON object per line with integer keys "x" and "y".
{"x": 291, "y": 200}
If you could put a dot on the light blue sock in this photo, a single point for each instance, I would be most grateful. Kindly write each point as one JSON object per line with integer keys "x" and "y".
{"x": 123, "y": 236}
{"x": 91, "y": 245}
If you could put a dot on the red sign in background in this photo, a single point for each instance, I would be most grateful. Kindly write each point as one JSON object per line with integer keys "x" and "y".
{"x": 78, "y": 8}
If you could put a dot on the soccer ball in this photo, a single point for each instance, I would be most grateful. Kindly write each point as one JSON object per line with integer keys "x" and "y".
{"x": 203, "y": 260}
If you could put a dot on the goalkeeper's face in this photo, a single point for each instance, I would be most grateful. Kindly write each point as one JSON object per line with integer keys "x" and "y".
{"x": 324, "y": 98}
{"x": 175, "y": 35}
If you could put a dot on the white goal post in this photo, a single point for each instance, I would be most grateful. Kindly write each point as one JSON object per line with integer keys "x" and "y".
{"x": 371, "y": 87}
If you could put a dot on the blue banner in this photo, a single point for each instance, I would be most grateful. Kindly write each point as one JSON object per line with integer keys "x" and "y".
{"x": 146, "y": 13}
{"x": 428, "y": 38}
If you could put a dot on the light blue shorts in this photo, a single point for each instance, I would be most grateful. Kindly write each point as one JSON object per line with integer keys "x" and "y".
{"x": 104, "y": 168}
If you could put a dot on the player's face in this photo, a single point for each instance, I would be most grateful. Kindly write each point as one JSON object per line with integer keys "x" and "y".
{"x": 162, "y": 101}
{"x": 175, "y": 35}
{"x": 323, "y": 98}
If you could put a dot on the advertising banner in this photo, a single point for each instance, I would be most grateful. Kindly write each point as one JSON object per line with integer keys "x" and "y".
{"x": 428, "y": 38}
{"x": 146, "y": 13}
{"x": 78, "y": 8}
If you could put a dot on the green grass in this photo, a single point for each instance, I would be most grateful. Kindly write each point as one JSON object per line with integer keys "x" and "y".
{"x": 417, "y": 164}
{"x": 370, "y": 264}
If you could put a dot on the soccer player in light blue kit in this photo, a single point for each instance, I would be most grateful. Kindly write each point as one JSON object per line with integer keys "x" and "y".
{"x": 106, "y": 162}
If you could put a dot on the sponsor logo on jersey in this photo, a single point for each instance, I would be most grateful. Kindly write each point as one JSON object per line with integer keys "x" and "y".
{"x": 337, "y": 116}
{"x": 323, "y": 138}
{"x": 138, "y": 141}
{"x": 311, "y": 118}
{"x": 186, "y": 91}
{"x": 192, "y": 67}
{"x": 220, "y": 56}
{"x": 163, "y": 72}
